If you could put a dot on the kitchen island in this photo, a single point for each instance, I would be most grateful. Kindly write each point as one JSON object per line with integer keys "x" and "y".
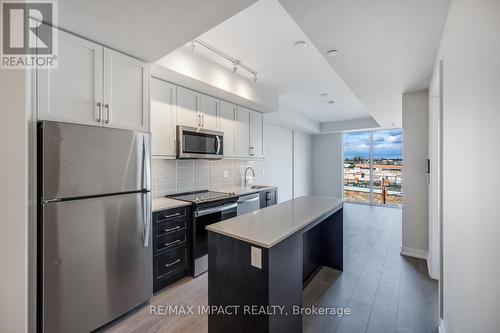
{"x": 259, "y": 263}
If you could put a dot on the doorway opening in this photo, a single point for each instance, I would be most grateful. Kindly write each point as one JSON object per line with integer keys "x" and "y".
{"x": 373, "y": 163}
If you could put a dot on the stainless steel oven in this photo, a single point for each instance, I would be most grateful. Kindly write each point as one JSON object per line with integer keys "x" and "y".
{"x": 195, "y": 142}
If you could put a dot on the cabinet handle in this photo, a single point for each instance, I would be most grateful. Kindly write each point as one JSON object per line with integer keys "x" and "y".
{"x": 99, "y": 112}
{"x": 170, "y": 216}
{"x": 202, "y": 120}
{"x": 172, "y": 229}
{"x": 199, "y": 120}
{"x": 107, "y": 113}
{"x": 173, "y": 263}
{"x": 172, "y": 243}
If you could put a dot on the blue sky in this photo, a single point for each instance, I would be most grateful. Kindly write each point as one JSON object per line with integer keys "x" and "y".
{"x": 388, "y": 144}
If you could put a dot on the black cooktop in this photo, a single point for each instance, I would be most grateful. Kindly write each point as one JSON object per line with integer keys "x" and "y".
{"x": 202, "y": 196}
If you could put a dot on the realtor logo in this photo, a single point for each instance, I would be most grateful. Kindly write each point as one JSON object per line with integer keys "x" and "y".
{"x": 26, "y": 42}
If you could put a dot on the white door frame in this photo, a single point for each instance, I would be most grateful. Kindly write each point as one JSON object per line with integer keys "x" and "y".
{"x": 435, "y": 257}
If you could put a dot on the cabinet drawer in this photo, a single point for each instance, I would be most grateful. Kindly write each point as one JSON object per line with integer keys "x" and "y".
{"x": 170, "y": 240}
{"x": 170, "y": 262}
{"x": 171, "y": 215}
{"x": 169, "y": 227}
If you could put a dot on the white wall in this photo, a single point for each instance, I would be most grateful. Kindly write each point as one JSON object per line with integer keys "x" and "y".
{"x": 415, "y": 229}
{"x": 470, "y": 50}
{"x": 13, "y": 201}
{"x": 293, "y": 120}
{"x": 302, "y": 164}
{"x": 278, "y": 169}
{"x": 349, "y": 125}
{"x": 327, "y": 165}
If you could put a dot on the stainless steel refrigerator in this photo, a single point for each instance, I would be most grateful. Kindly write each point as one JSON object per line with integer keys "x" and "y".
{"x": 94, "y": 225}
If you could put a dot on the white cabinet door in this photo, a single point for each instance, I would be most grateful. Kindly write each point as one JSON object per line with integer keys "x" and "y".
{"x": 162, "y": 118}
{"x": 126, "y": 92}
{"x": 209, "y": 112}
{"x": 256, "y": 134}
{"x": 187, "y": 107}
{"x": 227, "y": 121}
{"x": 242, "y": 132}
{"x": 72, "y": 92}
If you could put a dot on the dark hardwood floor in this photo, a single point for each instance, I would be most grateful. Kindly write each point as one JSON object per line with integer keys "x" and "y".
{"x": 385, "y": 291}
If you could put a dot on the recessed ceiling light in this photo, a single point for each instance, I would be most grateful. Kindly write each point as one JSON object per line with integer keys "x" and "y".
{"x": 332, "y": 53}
{"x": 300, "y": 43}
{"x": 377, "y": 116}
{"x": 331, "y": 102}
{"x": 326, "y": 95}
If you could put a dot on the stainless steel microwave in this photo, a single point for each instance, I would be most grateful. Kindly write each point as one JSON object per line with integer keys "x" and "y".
{"x": 195, "y": 142}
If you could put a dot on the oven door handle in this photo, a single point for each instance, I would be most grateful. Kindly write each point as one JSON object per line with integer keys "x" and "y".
{"x": 207, "y": 211}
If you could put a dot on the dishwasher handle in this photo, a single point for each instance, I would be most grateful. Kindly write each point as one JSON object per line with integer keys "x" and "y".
{"x": 249, "y": 200}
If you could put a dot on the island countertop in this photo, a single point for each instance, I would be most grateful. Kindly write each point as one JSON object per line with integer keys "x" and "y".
{"x": 267, "y": 227}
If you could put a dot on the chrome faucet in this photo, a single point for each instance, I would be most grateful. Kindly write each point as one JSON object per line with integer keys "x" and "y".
{"x": 246, "y": 176}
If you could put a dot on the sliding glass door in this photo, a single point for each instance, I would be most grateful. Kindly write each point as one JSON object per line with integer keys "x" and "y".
{"x": 372, "y": 167}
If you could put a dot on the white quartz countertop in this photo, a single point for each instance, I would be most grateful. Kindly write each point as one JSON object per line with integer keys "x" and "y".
{"x": 242, "y": 189}
{"x": 167, "y": 203}
{"x": 267, "y": 227}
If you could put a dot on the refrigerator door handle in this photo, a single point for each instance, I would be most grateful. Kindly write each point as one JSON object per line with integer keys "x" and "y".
{"x": 146, "y": 165}
{"x": 146, "y": 202}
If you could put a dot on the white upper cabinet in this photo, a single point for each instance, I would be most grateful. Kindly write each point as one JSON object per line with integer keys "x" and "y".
{"x": 72, "y": 92}
{"x": 187, "y": 107}
{"x": 243, "y": 132}
{"x": 94, "y": 86}
{"x": 227, "y": 122}
{"x": 126, "y": 83}
{"x": 256, "y": 134}
{"x": 209, "y": 112}
{"x": 163, "y": 132}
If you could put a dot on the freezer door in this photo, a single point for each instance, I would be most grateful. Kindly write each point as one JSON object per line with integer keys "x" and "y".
{"x": 96, "y": 260}
{"x": 79, "y": 160}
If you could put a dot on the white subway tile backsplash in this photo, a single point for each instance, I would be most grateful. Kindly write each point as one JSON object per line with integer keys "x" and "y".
{"x": 176, "y": 176}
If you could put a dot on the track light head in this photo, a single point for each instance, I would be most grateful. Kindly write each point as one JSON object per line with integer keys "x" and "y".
{"x": 254, "y": 78}
{"x": 235, "y": 67}
{"x": 192, "y": 47}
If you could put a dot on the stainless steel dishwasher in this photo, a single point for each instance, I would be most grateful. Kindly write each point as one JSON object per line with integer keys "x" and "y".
{"x": 248, "y": 203}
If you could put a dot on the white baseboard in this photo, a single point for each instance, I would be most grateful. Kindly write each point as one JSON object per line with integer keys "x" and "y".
{"x": 415, "y": 253}
{"x": 441, "y": 326}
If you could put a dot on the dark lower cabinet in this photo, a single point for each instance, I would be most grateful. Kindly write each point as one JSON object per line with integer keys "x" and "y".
{"x": 172, "y": 244}
{"x": 268, "y": 198}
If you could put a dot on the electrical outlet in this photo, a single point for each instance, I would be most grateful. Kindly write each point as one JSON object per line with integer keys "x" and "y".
{"x": 256, "y": 257}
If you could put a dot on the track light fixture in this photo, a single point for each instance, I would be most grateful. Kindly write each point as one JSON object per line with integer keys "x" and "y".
{"x": 192, "y": 47}
{"x": 235, "y": 62}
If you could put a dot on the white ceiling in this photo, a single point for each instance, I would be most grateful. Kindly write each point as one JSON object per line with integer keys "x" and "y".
{"x": 262, "y": 37}
{"x": 387, "y": 47}
{"x": 145, "y": 29}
